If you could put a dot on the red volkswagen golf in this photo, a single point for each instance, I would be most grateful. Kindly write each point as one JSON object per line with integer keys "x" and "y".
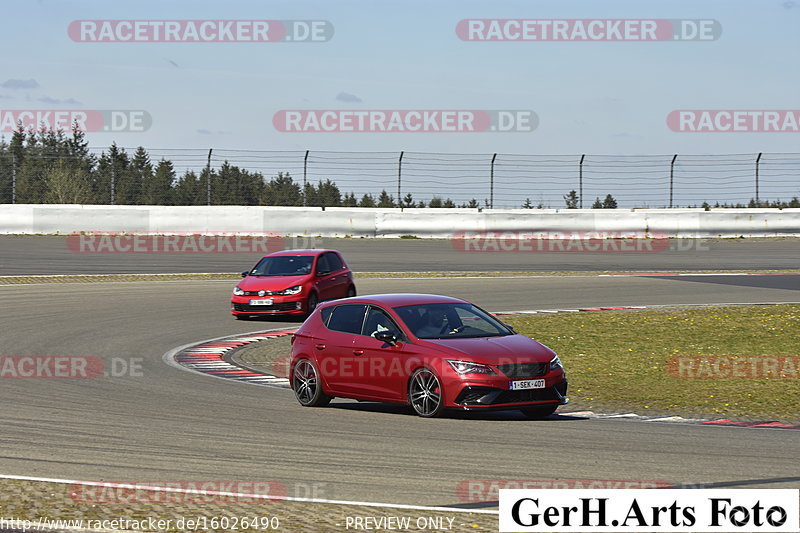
{"x": 432, "y": 352}
{"x": 292, "y": 282}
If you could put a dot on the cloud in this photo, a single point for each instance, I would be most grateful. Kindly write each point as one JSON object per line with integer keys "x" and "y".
{"x": 204, "y": 132}
{"x": 48, "y": 100}
{"x": 209, "y": 132}
{"x": 347, "y": 97}
{"x": 20, "y": 84}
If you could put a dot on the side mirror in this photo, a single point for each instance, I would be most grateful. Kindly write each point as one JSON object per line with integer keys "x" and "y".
{"x": 385, "y": 336}
{"x": 244, "y": 274}
{"x": 509, "y": 326}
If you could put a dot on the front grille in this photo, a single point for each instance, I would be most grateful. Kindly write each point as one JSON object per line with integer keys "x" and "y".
{"x": 524, "y": 370}
{"x": 487, "y": 396}
{"x": 282, "y": 306}
{"x": 528, "y": 395}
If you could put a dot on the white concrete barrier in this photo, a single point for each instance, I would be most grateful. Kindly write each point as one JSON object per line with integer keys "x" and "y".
{"x": 356, "y": 222}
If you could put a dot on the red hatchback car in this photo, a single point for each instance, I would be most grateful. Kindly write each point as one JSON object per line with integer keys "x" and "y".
{"x": 432, "y": 352}
{"x": 292, "y": 282}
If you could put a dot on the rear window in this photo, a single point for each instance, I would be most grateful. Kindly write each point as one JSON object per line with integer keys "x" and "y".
{"x": 347, "y": 318}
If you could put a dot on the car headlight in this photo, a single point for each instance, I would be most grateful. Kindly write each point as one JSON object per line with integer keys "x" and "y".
{"x": 555, "y": 364}
{"x": 468, "y": 367}
{"x": 237, "y": 291}
{"x": 293, "y": 290}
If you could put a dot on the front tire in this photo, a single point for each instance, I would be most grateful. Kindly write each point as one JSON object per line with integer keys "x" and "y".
{"x": 307, "y": 385}
{"x": 539, "y": 412}
{"x": 425, "y": 393}
{"x": 351, "y": 291}
{"x": 311, "y": 303}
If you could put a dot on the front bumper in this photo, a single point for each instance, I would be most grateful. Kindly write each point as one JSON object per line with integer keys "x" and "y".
{"x": 479, "y": 397}
{"x": 240, "y": 305}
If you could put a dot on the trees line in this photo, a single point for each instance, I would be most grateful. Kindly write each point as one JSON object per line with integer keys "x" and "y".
{"x": 52, "y": 167}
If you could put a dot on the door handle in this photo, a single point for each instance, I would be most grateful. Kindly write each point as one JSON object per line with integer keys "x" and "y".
{"x": 320, "y": 346}
{"x": 358, "y": 352}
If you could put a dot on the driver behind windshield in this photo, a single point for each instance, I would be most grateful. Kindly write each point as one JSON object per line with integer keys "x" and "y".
{"x": 434, "y": 323}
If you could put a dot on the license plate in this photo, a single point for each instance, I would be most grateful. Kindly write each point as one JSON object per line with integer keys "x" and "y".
{"x": 526, "y": 384}
{"x": 267, "y": 301}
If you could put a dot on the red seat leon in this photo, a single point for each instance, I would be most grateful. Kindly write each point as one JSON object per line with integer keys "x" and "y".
{"x": 292, "y": 282}
{"x": 431, "y": 352}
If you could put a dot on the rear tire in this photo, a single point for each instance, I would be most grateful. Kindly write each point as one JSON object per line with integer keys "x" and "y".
{"x": 307, "y": 385}
{"x": 539, "y": 412}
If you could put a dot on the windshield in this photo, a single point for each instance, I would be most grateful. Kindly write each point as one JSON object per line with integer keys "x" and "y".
{"x": 450, "y": 321}
{"x": 284, "y": 265}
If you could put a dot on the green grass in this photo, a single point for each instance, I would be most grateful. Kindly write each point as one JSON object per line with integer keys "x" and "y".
{"x": 618, "y": 360}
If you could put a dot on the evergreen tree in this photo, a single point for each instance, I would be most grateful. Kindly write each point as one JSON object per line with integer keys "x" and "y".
{"x": 158, "y": 189}
{"x": 282, "y": 190}
{"x": 408, "y": 200}
{"x": 527, "y": 204}
{"x": 449, "y": 204}
{"x": 187, "y": 190}
{"x": 349, "y": 200}
{"x": 571, "y": 199}
{"x": 385, "y": 199}
{"x": 367, "y": 201}
{"x": 435, "y": 202}
{"x": 609, "y": 202}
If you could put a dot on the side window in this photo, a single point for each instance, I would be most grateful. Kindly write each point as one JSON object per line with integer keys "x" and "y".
{"x": 325, "y": 314}
{"x": 322, "y": 264}
{"x": 348, "y": 318}
{"x": 334, "y": 262}
{"x": 379, "y": 322}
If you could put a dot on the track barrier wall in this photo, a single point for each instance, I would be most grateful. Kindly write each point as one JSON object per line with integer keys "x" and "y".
{"x": 57, "y": 219}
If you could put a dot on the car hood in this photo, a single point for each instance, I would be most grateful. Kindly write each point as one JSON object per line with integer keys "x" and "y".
{"x": 270, "y": 283}
{"x": 495, "y": 350}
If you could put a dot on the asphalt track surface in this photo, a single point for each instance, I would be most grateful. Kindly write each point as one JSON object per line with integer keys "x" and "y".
{"x": 165, "y": 424}
{"x": 53, "y": 255}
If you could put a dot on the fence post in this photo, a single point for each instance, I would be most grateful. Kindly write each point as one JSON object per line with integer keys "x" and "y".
{"x": 758, "y": 161}
{"x": 671, "y": 177}
{"x": 580, "y": 181}
{"x": 208, "y": 177}
{"x": 305, "y": 177}
{"x": 13, "y": 178}
{"x": 399, "y": 178}
{"x": 491, "y": 183}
